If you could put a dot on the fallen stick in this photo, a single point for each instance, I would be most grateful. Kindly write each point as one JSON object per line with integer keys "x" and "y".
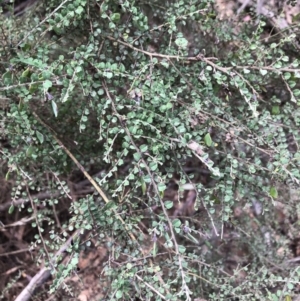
{"x": 42, "y": 276}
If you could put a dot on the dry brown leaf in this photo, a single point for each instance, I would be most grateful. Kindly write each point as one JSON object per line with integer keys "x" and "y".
{"x": 193, "y": 145}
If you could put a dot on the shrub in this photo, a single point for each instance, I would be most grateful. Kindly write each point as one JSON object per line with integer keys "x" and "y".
{"x": 146, "y": 95}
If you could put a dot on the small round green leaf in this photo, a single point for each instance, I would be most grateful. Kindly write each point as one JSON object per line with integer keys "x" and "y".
{"x": 168, "y": 204}
{"x": 137, "y": 156}
{"x": 208, "y": 140}
{"x": 47, "y": 84}
{"x": 29, "y": 151}
{"x": 40, "y": 136}
{"x": 263, "y": 72}
{"x": 161, "y": 187}
{"x": 181, "y": 42}
{"x": 11, "y": 209}
{"x": 181, "y": 249}
{"x": 154, "y": 249}
{"x": 54, "y": 107}
{"x": 143, "y": 148}
{"x": 115, "y": 17}
{"x": 273, "y": 192}
{"x": 176, "y": 223}
{"x": 275, "y": 110}
{"x": 144, "y": 186}
{"x": 119, "y": 294}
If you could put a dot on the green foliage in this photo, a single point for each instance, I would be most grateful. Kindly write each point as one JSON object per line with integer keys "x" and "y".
{"x": 137, "y": 90}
